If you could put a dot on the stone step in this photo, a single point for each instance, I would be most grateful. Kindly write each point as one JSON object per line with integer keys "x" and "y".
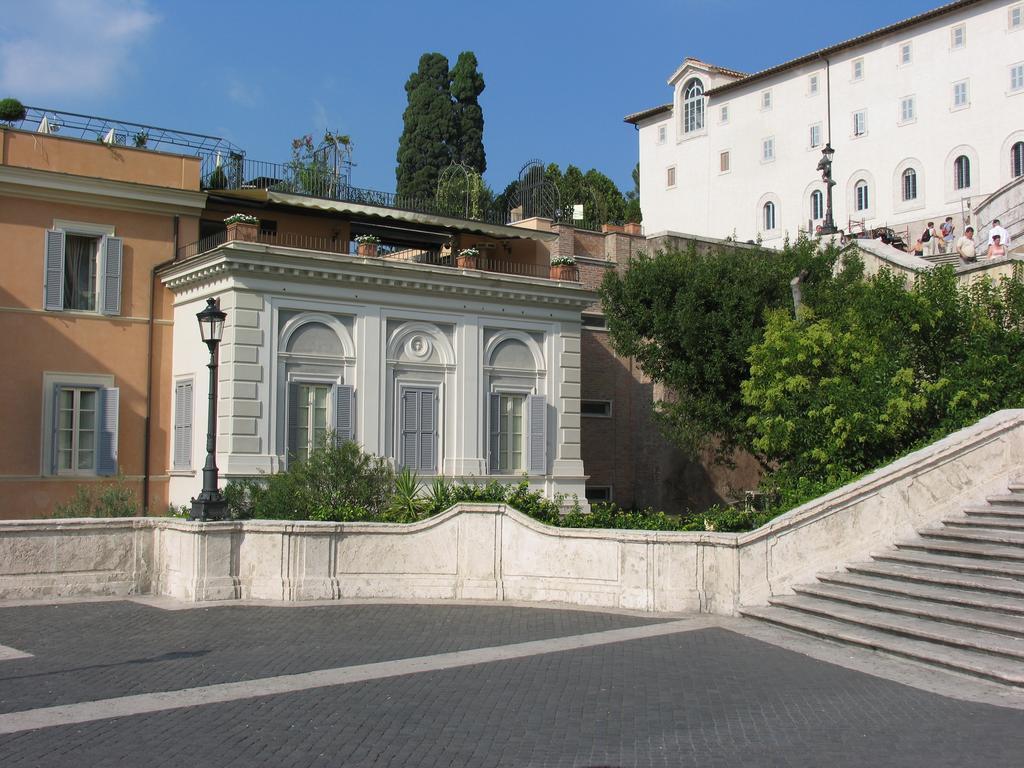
{"x": 1008, "y": 499}
{"x": 950, "y": 562}
{"x": 1008, "y": 538}
{"x": 994, "y": 510}
{"x": 970, "y": 662}
{"x": 959, "y": 615}
{"x": 1009, "y": 554}
{"x": 996, "y": 523}
{"x": 966, "y": 638}
{"x": 1016, "y": 487}
{"x": 917, "y": 574}
{"x": 952, "y": 592}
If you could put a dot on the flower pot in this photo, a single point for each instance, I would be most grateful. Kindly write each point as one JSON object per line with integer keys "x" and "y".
{"x": 367, "y": 249}
{"x": 243, "y": 231}
{"x": 567, "y": 272}
{"x": 468, "y": 261}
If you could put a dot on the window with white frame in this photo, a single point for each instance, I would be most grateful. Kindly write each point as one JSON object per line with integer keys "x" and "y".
{"x": 723, "y": 113}
{"x": 817, "y": 205}
{"x": 908, "y": 184}
{"x": 860, "y": 123}
{"x": 511, "y": 434}
{"x": 906, "y": 53}
{"x": 1017, "y": 159}
{"x": 1015, "y": 18}
{"x": 308, "y": 423}
{"x": 768, "y": 216}
{"x": 76, "y": 429}
{"x": 962, "y": 172}
{"x": 80, "y": 421}
{"x": 766, "y": 100}
{"x": 816, "y": 135}
{"x": 183, "y": 409}
{"x": 768, "y": 149}
{"x": 857, "y": 69}
{"x": 662, "y": 134}
{"x": 862, "y": 202}
{"x": 908, "y": 111}
{"x": 813, "y": 85}
{"x": 82, "y": 269}
{"x": 693, "y": 106}
{"x": 670, "y": 176}
{"x": 723, "y": 162}
{"x": 958, "y": 36}
{"x": 1017, "y": 77}
{"x": 961, "y": 95}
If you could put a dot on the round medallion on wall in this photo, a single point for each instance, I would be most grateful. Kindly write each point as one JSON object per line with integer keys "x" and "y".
{"x": 419, "y": 346}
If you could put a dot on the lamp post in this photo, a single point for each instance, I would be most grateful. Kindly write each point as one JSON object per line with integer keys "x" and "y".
{"x": 828, "y": 226}
{"x": 210, "y": 504}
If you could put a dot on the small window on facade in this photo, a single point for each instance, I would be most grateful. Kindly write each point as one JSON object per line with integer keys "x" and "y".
{"x": 76, "y": 420}
{"x": 768, "y": 215}
{"x": 510, "y": 433}
{"x": 858, "y": 69}
{"x": 962, "y": 172}
{"x": 1017, "y": 77}
{"x": 670, "y": 176}
{"x": 598, "y": 493}
{"x": 693, "y": 106}
{"x": 308, "y": 424}
{"x": 1016, "y": 20}
{"x": 766, "y": 99}
{"x": 82, "y": 272}
{"x": 958, "y": 37}
{"x": 961, "y": 97}
{"x": 594, "y": 321}
{"x": 723, "y": 162}
{"x": 662, "y": 133}
{"x": 907, "y": 110}
{"x": 1017, "y": 160}
{"x": 817, "y": 205}
{"x": 816, "y": 135}
{"x": 182, "y": 453}
{"x": 601, "y": 408}
{"x": 768, "y": 149}
{"x": 812, "y": 85}
{"x": 861, "y": 193}
{"x": 723, "y": 114}
{"x": 906, "y": 53}
{"x": 80, "y": 257}
{"x": 860, "y": 123}
{"x": 909, "y": 184}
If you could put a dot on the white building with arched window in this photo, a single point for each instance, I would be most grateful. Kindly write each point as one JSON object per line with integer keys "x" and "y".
{"x": 925, "y": 123}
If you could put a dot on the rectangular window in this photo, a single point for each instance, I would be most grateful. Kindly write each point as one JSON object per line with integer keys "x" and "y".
{"x": 308, "y": 423}
{"x": 80, "y": 415}
{"x": 1017, "y": 77}
{"x": 816, "y": 135}
{"x": 766, "y": 99}
{"x": 860, "y": 123}
{"x": 906, "y": 54}
{"x": 958, "y": 37}
{"x": 907, "y": 109}
{"x": 600, "y": 408}
{"x": 662, "y": 133}
{"x": 670, "y": 176}
{"x": 510, "y": 433}
{"x": 594, "y": 321}
{"x": 598, "y": 493}
{"x": 183, "y": 405}
{"x": 1016, "y": 20}
{"x": 960, "y": 94}
{"x": 75, "y": 421}
{"x": 82, "y": 270}
{"x": 858, "y": 69}
{"x": 768, "y": 149}
{"x": 723, "y": 114}
{"x": 723, "y": 162}
{"x": 418, "y": 440}
{"x": 812, "y": 85}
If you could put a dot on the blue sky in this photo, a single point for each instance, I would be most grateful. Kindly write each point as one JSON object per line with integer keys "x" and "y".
{"x": 560, "y": 75}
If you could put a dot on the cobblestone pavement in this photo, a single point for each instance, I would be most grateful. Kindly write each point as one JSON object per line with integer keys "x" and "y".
{"x": 708, "y": 696}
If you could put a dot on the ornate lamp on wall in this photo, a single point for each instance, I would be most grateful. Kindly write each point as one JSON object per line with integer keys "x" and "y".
{"x": 210, "y": 504}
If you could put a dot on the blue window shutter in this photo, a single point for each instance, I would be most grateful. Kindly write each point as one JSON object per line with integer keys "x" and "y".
{"x": 113, "y": 249}
{"x": 428, "y": 431}
{"x": 410, "y": 420}
{"x": 343, "y": 422}
{"x": 53, "y": 290}
{"x": 538, "y": 440}
{"x": 183, "y": 425}
{"x": 106, "y": 449}
{"x": 55, "y": 395}
{"x": 494, "y": 423}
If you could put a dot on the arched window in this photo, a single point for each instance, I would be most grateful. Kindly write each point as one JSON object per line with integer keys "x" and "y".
{"x": 693, "y": 106}
{"x": 1017, "y": 160}
{"x": 817, "y": 205}
{"x": 769, "y": 215}
{"x": 962, "y": 172}
{"x": 861, "y": 192}
{"x": 910, "y": 184}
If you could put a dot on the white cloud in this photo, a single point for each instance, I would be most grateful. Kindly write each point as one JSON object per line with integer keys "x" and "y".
{"x": 243, "y": 94}
{"x": 74, "y": 47}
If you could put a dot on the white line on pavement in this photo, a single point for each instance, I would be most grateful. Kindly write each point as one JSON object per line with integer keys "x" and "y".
{"x": 7, "y": 653}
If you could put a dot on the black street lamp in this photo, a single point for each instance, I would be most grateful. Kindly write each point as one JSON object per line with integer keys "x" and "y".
{"x": 210, "y": 504}
{"x": 828, "y": 226}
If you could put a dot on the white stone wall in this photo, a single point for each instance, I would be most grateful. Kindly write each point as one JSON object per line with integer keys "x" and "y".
{"x": 708, "y": 202}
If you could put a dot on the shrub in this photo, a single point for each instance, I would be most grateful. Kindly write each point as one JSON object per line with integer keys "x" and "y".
{"x": 11, "y": 111}
{"x": 114, "y": 499}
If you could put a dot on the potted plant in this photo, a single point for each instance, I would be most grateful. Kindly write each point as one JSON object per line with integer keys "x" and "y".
{"x": 366, "y": 245}
{"x": 563, "y": 268}
{"x": 468, "y": 258}
{"x": 242, "y": 226}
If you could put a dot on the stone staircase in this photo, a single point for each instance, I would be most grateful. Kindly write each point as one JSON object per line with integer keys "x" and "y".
{"x": 953, "y": 596}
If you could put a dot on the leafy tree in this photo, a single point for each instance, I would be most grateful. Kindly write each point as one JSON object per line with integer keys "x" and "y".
{"x": 424, "y": 149}
{"x": 467, "y": 85}
{"x": 633, "y": 198}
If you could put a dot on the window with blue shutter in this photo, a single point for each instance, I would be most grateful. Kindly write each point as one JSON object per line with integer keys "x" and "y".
{"x": 106, "y": 448}
{"x": 183, "y": 424}
{"x": 344, "y": 425}
{"x": 112, "y": 262}
{"x": 417, "y": 448}
{"x": 53, "y": 290}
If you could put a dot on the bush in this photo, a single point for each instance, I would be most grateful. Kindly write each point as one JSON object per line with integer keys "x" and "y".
{"x": 610, "y": 515}
{"x": 114, "y": 499}
{"x": 11, "y": 111}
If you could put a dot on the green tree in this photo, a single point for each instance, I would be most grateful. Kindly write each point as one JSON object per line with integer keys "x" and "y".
{"x": 467, "y": 85}
{"x": 633, "y": 213}
{"x": 424, "y": 149}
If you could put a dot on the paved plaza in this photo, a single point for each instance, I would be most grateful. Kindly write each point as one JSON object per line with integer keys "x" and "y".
{"x": 156, "y": 683}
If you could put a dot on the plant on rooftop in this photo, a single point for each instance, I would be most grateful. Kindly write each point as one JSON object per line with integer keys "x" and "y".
{"x": 365, "y": 239}
{"x": 563, "y": 261}
{"x": 241, "y": 218}
{"x": 11, "y": 111}
{"x": 469, "y": 252}
{"x": 140, "y": 139}
{"x": 309, "y": 171}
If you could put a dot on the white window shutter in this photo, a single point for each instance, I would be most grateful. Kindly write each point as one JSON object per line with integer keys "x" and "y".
{"x": 293, "y": 420}
{"x": 183, "y": 425}
{"x": 343, "y": 411}
{"x": 106, "y": 453}
{"x": 53, "y": 289}
{"x": 410, "y": 421}
{"x": 494, "y": 426}
{"x": 428, "y": 431}
{"x": 113, "y": 249}
{"x": 538, "y": 440}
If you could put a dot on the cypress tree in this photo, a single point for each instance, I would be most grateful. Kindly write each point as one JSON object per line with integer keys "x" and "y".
{"x": 429, "y": 128}
{"x": 467, "y": 85}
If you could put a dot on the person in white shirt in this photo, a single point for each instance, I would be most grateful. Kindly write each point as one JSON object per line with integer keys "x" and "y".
{"x": 997, "y": 229}
{"x": 966, "y": 248}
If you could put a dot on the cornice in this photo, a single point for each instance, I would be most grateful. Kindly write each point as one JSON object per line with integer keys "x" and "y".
{"x": 292, "y": 264}
{"x": 85, "y": 190}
